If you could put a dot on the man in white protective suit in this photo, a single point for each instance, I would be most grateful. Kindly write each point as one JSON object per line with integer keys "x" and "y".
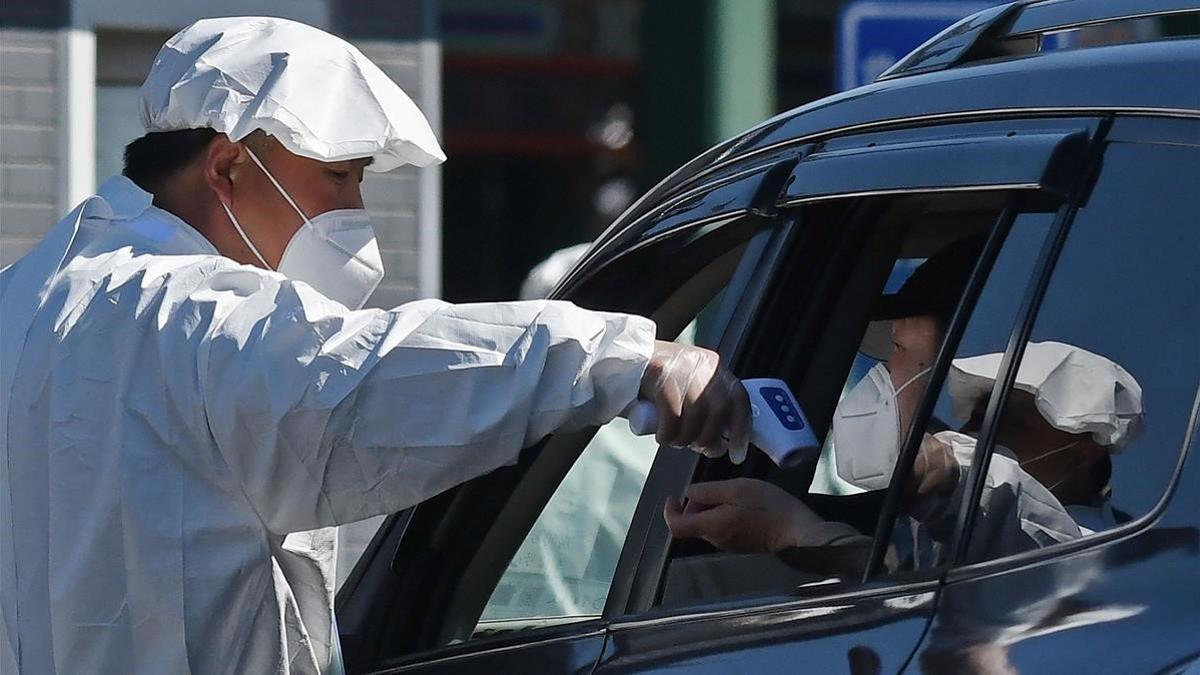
{"x": 193, "y": 398}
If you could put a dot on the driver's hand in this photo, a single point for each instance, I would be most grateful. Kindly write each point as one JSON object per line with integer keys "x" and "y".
{"x": 700, "y": 404}
{"x": 743, "y": 515}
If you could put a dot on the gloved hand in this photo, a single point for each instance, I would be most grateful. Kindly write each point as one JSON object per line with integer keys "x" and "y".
{"x": 935, "y": 470}
{"x": 745, "y": 515}
{"x": 700, "y": 404}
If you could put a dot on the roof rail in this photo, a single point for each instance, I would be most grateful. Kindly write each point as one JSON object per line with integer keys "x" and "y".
{"x": 1059, "y": 15}
{"x": 1017, "y": 28}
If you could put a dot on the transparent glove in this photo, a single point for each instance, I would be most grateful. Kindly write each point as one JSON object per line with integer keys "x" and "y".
{"x": 700, "y": 404}
{"x": 935, "y": 470}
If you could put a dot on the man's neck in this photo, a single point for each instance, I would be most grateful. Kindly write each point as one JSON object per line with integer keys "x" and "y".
{"x": 186, "y": 197}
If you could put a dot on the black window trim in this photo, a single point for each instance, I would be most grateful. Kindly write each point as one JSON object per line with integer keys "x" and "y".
{"x": 772, "y": 173}
{"x": 1005, "y": 155}
{"x": 475, "y": 649}
{"x": 757, "y": 165}
{"x": 752, "y": 606}
{"x": 633, "y": 589}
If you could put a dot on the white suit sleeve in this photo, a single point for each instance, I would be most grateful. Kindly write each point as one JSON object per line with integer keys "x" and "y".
{"x": 327, "y": 416}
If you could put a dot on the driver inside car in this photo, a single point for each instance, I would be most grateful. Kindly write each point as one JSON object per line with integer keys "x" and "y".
{"x": 755, "y": 516}
{"x": 1048, "y": 480}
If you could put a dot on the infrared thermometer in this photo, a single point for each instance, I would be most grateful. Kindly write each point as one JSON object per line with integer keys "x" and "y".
{"x": 778, "y": 426}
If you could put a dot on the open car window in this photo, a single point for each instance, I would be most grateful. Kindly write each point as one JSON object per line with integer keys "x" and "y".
{"x": 562, "y": 569}
{"x": 876, "y": 281}
{"x": 565, "y": 565}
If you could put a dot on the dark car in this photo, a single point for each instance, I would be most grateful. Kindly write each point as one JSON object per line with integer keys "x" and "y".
{"x": 1077, "y": 171}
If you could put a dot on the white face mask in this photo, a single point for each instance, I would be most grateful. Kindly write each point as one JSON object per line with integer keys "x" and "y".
{"x": 335, "y": 252}
{"x": 866, "y": 430}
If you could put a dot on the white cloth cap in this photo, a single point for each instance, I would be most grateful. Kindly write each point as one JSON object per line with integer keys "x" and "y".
{"x": 314, "y": 92}
{"x": 1075, "y": 390}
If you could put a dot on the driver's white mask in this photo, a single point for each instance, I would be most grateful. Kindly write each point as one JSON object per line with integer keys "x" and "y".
{"x": 866, "y": 430}
{"x": 336, "y": 252}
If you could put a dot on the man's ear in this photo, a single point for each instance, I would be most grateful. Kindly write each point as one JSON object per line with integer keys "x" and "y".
{"x": 222, "y": 159}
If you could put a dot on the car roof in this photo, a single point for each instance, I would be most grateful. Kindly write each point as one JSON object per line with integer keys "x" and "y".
{"x": 969, "y": 77}
{"x": 1142, "y": 77}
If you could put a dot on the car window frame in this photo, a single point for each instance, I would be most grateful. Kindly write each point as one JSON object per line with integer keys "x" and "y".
{"x": 645, "y": 544}
{"x": 652, "y": 565}
{"x": 749, "y": 260}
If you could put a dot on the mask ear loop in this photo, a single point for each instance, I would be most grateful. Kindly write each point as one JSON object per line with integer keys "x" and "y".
{"x": 242, "y": 233}
{"x": 902, "y": 433}
{"x": 279, "y": 187}
{"x": 1070, "y": 475}
{"x": 1049, "y": 453}
{"x": 913, "y": 379}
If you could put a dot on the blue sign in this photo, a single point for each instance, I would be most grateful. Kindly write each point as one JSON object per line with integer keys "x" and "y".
{"x": 874, "y": 34}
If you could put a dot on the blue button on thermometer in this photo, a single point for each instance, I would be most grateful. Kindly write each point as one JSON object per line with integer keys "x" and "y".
{"x": 778, "y": 426}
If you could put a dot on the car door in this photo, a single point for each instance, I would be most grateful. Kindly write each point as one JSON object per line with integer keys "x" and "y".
{"x": 867, "y": 209}
{"x": 1119, "y": 280}
{"x": 511, "y": 571}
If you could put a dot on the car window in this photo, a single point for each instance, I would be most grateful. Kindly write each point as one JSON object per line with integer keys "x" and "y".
{"x": 893, "y": 272}
{"x": 1093, "y": 427}
{"x": 564, "y": 567}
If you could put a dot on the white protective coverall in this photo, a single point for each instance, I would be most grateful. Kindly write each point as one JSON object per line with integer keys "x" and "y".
{"x": 181, "y": 432}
